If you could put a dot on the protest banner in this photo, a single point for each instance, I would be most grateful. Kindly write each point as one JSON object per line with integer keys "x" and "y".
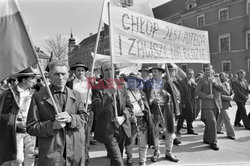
{"x": 141, "y": 39}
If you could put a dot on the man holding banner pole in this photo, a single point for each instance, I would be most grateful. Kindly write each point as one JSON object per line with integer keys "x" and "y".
{"x": 111, "y": 129}
{"x": 161, "y": 105}
{"x": 209, "y": 90}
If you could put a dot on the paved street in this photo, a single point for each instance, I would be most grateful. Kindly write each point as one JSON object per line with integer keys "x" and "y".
{"x": 193, "y": 152}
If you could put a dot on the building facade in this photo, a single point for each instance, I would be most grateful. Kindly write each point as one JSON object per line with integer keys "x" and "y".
{"x": 82, "y": 51}
{"x": 228, "y": 26}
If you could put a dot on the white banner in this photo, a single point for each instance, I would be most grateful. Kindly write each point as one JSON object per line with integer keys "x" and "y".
{"x": 141, "y": 39}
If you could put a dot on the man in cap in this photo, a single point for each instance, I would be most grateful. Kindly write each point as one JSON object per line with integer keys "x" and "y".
{"x": 111, "y": 130}
{"x": 17, "y": 146}
{"x": 144, "y": 73}
{"x": 80, "y": 84}
{"x": 161, "y": 106}
{"x": 60, "y": 135}
{"x": 142, "y": 128}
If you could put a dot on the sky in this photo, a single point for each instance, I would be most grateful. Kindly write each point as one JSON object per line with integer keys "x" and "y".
{"x": 47, "y": 18}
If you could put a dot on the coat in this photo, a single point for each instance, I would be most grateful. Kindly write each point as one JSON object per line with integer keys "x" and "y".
{"x": 241, "y": 91}
{"x": 51, "y": 143}
{"x": 188, "y": 99}
{"x": 104, "y": 110}
{"x": 170, "y": 104}
{"x": 150, "y": 123}
{"x": 226, "y": 95}
{"x": 8, "y": 114}
{"x": 203, "y": 90}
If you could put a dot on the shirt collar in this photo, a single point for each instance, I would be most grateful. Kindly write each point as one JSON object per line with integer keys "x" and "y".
{"x": 80, "y": 80}
{"x": 19, "y": 89}
{"x": 54, "y": 90}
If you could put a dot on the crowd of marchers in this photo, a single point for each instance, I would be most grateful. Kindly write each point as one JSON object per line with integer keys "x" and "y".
{"x": 123, "y": 112}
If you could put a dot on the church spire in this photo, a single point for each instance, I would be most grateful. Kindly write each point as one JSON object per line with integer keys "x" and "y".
{"x": 72, "y": 41}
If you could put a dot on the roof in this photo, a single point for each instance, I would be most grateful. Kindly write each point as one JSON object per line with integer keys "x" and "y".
{"x": 41, "y": 54}
{"x": 177, "y": 7}
{"x": 169, "y": 9}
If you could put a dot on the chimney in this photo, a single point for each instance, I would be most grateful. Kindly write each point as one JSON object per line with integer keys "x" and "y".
{"x": 90, "y": 34}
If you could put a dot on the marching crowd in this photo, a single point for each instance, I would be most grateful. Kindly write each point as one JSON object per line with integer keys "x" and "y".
{"x": 128, "y": 111}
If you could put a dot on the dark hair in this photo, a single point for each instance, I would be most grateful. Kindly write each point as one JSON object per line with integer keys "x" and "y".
{"x": 240, "y": 71}
{"x": 55, "y": 63}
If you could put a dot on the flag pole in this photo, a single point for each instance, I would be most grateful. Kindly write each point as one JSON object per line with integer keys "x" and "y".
{"x": 95, "y": 51}
{"x": 112, "y": 56}
{"x": 39, "y": 67}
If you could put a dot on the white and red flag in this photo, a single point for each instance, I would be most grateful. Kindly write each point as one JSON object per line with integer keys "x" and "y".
{"x": 16, "y": 49}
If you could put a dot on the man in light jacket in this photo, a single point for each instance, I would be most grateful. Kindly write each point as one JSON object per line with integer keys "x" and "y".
{"x": 60, "y": 138}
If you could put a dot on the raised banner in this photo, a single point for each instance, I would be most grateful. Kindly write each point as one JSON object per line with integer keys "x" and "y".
{"x": 141, "y": 39}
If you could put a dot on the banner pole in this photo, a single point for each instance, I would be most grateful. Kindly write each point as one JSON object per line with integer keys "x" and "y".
{"x": 112, "y": 56}
{"x": 210, "y": 84}
{"x": 95, "y": 51}
{"x": 39, "y": 67}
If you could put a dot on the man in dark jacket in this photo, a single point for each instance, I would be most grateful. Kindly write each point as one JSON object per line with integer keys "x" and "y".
{"x": 241, "y": 91}
{"x": 60, "y": 136}
{"x": 17, "y": 146}
{"x": 187, "y": 87}
{"x": 110, "y": 130}
{"x": 161, "y": 105}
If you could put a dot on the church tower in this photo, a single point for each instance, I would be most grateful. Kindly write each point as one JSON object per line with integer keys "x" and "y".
{"x": 72, "y": 42}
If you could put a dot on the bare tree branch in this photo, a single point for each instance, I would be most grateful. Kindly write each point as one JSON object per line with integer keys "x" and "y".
{"x": 58, "y": 45}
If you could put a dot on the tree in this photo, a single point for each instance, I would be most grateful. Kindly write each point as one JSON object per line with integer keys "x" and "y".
{"x": 58, "y": 46}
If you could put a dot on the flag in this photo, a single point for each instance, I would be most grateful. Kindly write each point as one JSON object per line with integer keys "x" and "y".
{"x": 16, "y": 49}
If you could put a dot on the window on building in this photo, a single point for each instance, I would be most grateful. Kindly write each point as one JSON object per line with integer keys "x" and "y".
{"x": 223, "y": 14}
{"x": 191, "y": 4}
{"x": 204, "y": 66}
{"x": 226, "y": 66}
{"x": 248, "y": 39}
{"x": 200, "y": 20}
{"x": 184, "y": 67}
{"x": 224, "y": 43}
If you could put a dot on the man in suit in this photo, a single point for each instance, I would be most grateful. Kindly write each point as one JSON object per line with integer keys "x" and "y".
{"x": 226, "y": 97}
{"x": 80, "y": 84}
{"x": 110, "y": 130}
{"x": 187, "y": 86}
{"x": 241, "y": 91}
{"x": 60, "y": 136}
{"x": 208, "y": 90}
{"x": 161, "y": 106}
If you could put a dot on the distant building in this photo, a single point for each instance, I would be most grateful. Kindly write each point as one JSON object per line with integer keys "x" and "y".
{"x": 43, "y": 58}
{"x": 82, "y": 51}
{"x": 228, "y": 25}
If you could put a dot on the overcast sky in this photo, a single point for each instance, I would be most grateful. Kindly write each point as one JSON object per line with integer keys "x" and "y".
{"x": 46, "y": 18}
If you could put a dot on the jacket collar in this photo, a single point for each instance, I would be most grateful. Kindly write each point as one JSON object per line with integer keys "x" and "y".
{"x": 69, "y": 92}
